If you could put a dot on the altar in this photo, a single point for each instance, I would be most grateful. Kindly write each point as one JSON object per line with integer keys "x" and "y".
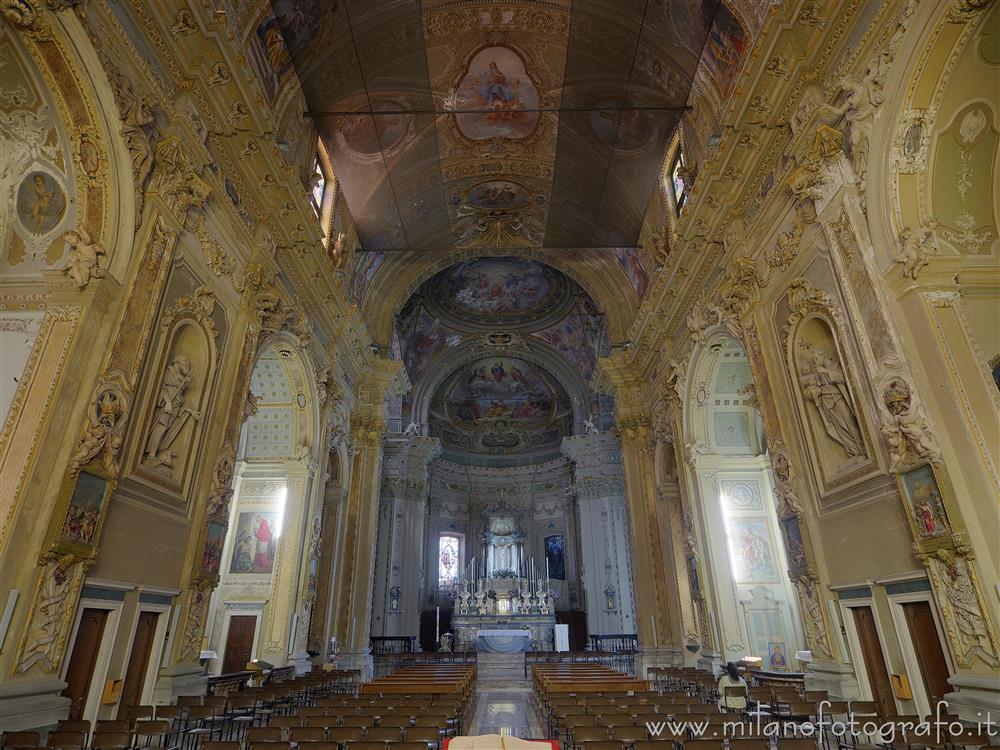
{"x": 505, "y": 641}
{"x": 503, "y": 603}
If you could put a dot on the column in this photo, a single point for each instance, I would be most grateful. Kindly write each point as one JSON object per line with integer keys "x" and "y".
{"x": 604, "y": 533}
{"x": 353, "y": 592}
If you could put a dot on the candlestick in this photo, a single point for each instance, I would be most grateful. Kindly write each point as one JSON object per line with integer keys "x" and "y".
{"x": 354, "y": 622}
{"x": 437, "y": 626}
{"x": 546, "y": 568}
{"x": 652, "y": 622}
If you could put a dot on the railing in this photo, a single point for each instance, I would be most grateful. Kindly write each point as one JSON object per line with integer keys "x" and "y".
{"x": 280, "y": 674}
{"x": 382, "y": 644}
{"x": 615, "y": 642}
{"x": 224, "y": 684}
{"x": 620, "y": 661}
{"x": 387, "y": 662}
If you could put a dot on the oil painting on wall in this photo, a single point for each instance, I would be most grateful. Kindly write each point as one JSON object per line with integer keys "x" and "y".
{"x": 924, "y": 499}
{"x": 496, "y": 84}
{"x": 255, "y": 543}
{"x": 555, "y": 556}
{"x": 85, "y": 505}
{"x": 212, "y": 556}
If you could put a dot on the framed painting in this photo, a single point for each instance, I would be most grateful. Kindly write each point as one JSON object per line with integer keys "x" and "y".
{"x": 87, "y": 499}
{"x": 750, "y": 547}
{"x": 255, "y": 543}
{"x": 212, "y": 555}
{"x": 555, "y": 555}
{"x": 795, "y": 547}
{"x": 924, "y": 503}
{"x": 776, "y": 656}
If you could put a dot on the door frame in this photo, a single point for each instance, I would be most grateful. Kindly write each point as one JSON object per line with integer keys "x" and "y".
{"x": 153, "y": 667}
{"x": 910, "y": 660}
{"x": 104, "y": 653}
{"x": 227, "y": 618}
{"x": 854, "y": 645}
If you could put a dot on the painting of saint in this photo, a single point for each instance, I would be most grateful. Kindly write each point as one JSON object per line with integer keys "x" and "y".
{"x": 750, "y": 546}
{"x": 255, "y": 543}
{"x": 795, "y": 548}
{"x": 555, "y": 556}
{"x": 299, "y": 20}
{"x": 84, "y": 512}
{"x": 724, "y": 50}
{"x": 41, "y": 203}
{"x": 925, "y": 502}
{"x": 212, "y": 556}
{"x": 497, "y": 85}
{"x": 776, "y": 655}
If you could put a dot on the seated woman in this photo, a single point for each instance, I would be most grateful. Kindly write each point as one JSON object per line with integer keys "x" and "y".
{"x": 731, "y": 679}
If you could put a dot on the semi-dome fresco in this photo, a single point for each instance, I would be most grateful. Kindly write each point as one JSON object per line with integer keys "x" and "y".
{"x": 501, "y": 406}
{"x": 503, "y": 292}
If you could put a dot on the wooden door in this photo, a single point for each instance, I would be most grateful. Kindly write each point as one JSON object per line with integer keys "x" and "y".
{"x": 83, "y": 660}
{"x": 930, "y": 655}
{"x": 138, "y": 662}
{"x": 871, "y": 652}
{"x": 239, "y": 643}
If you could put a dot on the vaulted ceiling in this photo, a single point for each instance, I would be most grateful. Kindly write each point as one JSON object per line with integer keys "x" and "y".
{"x": 527, "y": 124}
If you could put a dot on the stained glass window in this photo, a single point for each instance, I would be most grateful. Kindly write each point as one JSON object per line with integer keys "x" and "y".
{"x": 447, "y": 559}
{"x": 677, "y": 179}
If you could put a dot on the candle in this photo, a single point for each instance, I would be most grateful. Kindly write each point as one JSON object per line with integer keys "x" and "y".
{"x": 546, "y": 567}
{"x": 652, "y": 622}
{"x": 437, "y": 626}
{"x": 354, "y": 622}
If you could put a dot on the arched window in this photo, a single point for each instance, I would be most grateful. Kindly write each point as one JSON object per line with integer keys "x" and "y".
{"x": 449, "y": 552}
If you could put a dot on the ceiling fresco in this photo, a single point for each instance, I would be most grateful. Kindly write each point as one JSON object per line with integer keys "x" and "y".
{"x": 524, "y": 124}
{"x": 503, "y": 292}
{"x": 500, "y": 406}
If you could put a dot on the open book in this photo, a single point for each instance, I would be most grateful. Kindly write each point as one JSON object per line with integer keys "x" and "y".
{"x": 491, "y": 742}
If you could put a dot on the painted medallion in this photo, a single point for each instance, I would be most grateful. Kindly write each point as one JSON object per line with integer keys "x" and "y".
{"x": 496, "y": 84}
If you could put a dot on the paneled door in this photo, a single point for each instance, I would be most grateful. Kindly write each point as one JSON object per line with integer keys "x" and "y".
{"x": 930, "y": 655}
{"x": 239, "y": 643}
{"x": 871, "y": 652}
{"x": 83, "y": 660}
{"x": 138, "y": 661}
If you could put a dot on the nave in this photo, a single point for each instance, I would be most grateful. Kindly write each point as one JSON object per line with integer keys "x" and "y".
{"x": 351, "y": 337}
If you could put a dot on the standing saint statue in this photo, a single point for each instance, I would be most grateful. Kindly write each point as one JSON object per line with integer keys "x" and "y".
{"x": 824, "y": 384}
{"x": 171, "y": 413}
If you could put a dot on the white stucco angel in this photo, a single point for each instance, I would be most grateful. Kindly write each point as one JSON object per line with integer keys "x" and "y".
{"x": 83, "y": 261}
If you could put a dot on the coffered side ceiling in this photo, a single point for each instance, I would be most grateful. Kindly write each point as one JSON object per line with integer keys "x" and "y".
{"x": 456, "y": 125}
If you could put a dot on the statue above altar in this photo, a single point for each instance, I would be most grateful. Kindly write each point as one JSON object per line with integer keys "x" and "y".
{"x": 503, "y": 543}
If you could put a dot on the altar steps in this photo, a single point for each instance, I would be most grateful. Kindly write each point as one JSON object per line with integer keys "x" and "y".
{"x": 499, "y": 667}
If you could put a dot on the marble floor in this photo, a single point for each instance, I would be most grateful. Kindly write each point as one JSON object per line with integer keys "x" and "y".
{"x": 505, "y": 710}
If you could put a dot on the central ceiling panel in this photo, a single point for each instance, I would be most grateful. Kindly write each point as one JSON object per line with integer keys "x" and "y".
{"x": 456, "y": 124}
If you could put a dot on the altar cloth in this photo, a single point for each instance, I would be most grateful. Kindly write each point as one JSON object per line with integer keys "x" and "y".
{"x": 503, "y": 641}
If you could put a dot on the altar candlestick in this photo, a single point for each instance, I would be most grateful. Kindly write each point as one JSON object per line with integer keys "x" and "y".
{"x": 437, "y": 626}
{"x": 652, "y": 622}
{"x": 546, "y": 567}
{"x": 354, "y": 622}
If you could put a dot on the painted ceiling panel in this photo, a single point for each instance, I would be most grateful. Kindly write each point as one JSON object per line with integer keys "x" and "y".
{"x": 494, "y": 125}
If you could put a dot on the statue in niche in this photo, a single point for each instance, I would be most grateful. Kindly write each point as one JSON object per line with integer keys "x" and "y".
{"x": 972, "y": 630}
{"x": 824, "y": 384}
{"x": 170, "y": 415}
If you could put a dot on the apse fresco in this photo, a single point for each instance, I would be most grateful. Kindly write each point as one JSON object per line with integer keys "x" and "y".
{"x": 724, "y": 50}
{"x": 503, "y": 291}
{"x": 496, "y": 83}
{"x": 501, "y": 407}
{"x": 500, "y": 390}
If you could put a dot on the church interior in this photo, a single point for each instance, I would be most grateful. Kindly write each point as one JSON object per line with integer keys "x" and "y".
{"x": 395, "y": 371}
